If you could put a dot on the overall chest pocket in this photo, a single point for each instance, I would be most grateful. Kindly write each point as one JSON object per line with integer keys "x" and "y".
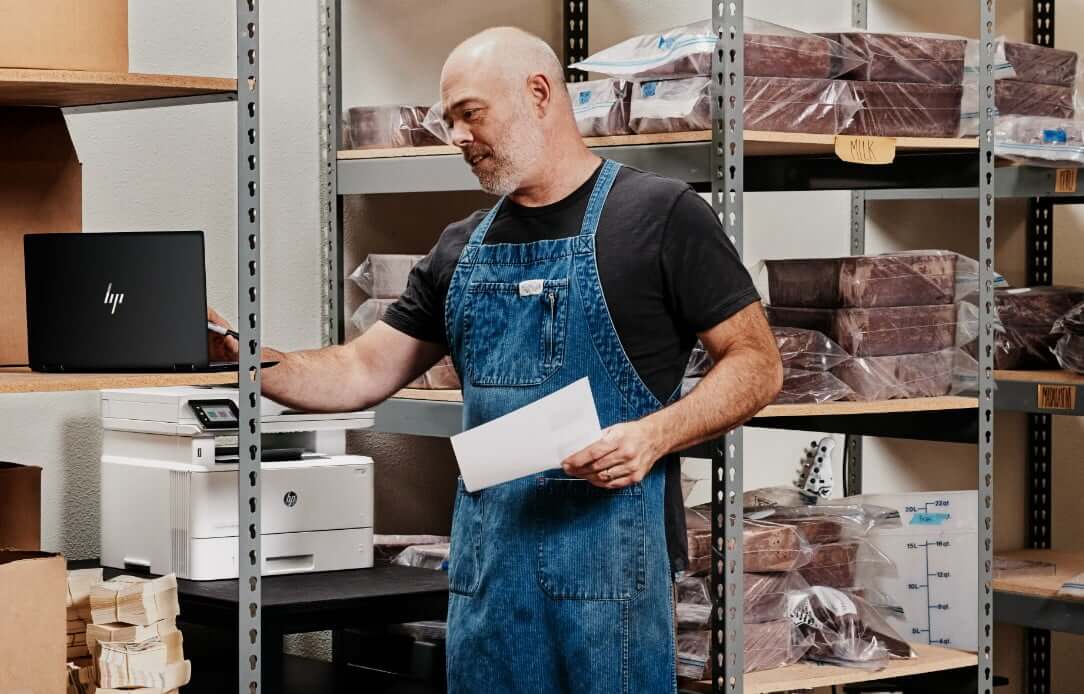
{"x": 515, "y": 332}
{"x": 592, "y": 542}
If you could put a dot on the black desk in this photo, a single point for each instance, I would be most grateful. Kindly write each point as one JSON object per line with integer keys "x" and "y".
{"x": 305, "y": 603}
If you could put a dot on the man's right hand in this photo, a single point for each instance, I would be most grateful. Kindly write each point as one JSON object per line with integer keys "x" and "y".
{"x": 221, "y": 347}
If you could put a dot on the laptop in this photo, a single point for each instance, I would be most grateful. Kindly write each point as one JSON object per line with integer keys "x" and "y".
{"x": 131, "y": 301}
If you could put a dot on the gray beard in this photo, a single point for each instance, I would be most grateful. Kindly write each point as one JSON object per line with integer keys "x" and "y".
{"x": 523, "y": 149}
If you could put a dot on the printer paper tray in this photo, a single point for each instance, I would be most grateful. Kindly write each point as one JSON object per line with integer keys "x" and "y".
{"x": 215, "y": 558}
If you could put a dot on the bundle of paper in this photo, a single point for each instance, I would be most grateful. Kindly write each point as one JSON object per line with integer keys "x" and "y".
{"x": 127, "y": 633}
{"x": 153, "y": 663}
{"x": 135, "y": 601}
{"x": 78, "y": 600}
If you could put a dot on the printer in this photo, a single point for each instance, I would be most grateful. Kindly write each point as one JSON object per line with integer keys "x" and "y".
{"x": 169, "y": 486}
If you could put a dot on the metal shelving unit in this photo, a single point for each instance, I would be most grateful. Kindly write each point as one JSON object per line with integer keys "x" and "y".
{"x": 81, "y": 92}
{"x": 727, "y": 162}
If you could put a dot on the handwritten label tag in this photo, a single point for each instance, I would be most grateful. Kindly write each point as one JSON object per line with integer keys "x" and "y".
{"x": 866, "y": 150}
{"x": 1052, "y": 397}
{"x": 1065, "y": 181}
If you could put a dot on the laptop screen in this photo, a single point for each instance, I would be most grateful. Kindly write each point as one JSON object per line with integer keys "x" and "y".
{"x": 116, "y": 301}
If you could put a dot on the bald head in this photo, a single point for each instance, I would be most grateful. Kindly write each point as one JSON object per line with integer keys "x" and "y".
{"x": 507, "y": 54}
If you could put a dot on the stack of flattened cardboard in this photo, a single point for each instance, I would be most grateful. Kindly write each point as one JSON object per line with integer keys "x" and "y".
{"x": 134, "y": 638}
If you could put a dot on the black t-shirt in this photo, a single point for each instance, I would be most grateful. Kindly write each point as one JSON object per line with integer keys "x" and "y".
{"x": 668, "y": 272}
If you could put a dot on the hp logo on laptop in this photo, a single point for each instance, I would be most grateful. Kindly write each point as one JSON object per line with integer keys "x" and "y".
{"x": 114, "y": 298}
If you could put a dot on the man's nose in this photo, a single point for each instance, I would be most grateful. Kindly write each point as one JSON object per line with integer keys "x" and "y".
{"x": 461, "y": 135}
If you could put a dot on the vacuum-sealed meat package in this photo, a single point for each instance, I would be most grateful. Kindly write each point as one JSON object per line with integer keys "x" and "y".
{"x": 601, "y": 107}
{"x": 902, "y": 109}
{"x": 900, "y": 376}
{"x": 771, "y": 548}
{"x": 922, "y": 278}
{"x": 771, "y": 103}
{"x": 923, "y": 58}
{"x": 876, "y": 332}
{"x": 1039, "y": 141}
{"x": 771, "y": 50}
{"x": 1069, "y": 331}
{"x": 845, "y": 629}
{"x": 384, "y": 275}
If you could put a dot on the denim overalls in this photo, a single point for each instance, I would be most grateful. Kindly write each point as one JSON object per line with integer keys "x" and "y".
{"x": 557, "y": 585}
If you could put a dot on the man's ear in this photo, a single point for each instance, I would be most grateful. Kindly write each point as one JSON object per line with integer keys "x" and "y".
{"x": 540, "y": 92}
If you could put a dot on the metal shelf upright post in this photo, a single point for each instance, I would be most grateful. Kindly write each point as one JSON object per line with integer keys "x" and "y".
{"x": 727, "y": 198}
{"x": 248, "y": 376}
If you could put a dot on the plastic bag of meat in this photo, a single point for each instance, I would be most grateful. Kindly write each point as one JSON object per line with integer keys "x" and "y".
{"x": 845, "y": 629}
{"x": 919, "y": 278}
{"x": 601, "y": 107}
{"x": 1017, "y": 98}
{"x": 876, "y": 332}
{"x": 807, "y": 350}
{"x": 771, "y": 103}
{"x": 765, "y": 597}
{"x": 767, "y": 547}
{"x": 386, "y": 126}
{"x": 1069, "y": 330}
{"x": 902, "y": 109}
{"x": 811, "y": 388}
{"x": 1023, "y": 330}
{"x": 833, "y": 520}
{"x": 384, "y": 276}
{"x": 901, "y": 376}
{"x": 1039, "y": 64}
{"x": 921, "y": 58}
{"x": 685, "y": 51}
{"x": 1040, "y": 141}
{"x": 766, "y": 646}
{"x": 843, "y": 564}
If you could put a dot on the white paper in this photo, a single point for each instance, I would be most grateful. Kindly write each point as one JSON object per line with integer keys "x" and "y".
{"x": 530, "y": 440}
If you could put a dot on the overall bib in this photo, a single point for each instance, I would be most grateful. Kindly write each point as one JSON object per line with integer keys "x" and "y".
{"x": 556, "y": 585}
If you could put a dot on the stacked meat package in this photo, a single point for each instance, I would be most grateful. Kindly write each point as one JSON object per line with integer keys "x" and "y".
{"x": 893, "y": 317}
{"x": 806, "y": 586}
{"x": 660, "y": 82}
{"x": 386, "y": 126}
{"x": 383, "y": 277}
{"x": 1024, "y": 337}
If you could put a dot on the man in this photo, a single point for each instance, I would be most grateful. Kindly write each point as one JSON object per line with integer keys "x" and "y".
{"x": 561, "y": 582}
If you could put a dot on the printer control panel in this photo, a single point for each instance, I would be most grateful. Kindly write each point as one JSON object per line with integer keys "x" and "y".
{"x": 215, "y": 414}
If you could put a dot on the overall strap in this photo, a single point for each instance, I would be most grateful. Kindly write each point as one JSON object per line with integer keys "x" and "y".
{"x": 482, "y": 229}
{"x": 598, "y": 198}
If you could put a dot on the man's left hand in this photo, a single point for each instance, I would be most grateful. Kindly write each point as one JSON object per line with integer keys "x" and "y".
{"x": 622, "y": 457}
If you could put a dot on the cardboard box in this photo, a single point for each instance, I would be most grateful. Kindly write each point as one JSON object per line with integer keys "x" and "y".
{"x": 41, "y": 190}
{"x": 32, "y": 638}
{"x": 64, "y": 34}
{"x": 20, "y": 506}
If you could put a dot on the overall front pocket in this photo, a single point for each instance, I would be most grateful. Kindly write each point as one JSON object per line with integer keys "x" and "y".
{"x": 464, "y": 558}
{"x": 591, "y": 541}
{"x": 515, "y": 332}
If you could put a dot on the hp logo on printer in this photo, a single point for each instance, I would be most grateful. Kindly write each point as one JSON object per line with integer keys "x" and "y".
{"x": 290, "y": 499}
{"x": 113, "y": 298}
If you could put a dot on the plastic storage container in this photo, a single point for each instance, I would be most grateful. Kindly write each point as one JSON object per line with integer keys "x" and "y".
{"x": 891, "y": 279}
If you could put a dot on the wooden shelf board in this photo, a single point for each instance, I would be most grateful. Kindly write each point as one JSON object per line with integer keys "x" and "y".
{"x": 26, "y": 381}
{"x": 757, "y": 143}
{"x": 948, "y": 402}
{"x": 812, "y": 676}
{"x": 65, "y": 88}
{"x": 826, "y": 409}
{"x": 1050, "y": 376}
{"x": 1066, "y": 566}
{"x": 431, "y": 395}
